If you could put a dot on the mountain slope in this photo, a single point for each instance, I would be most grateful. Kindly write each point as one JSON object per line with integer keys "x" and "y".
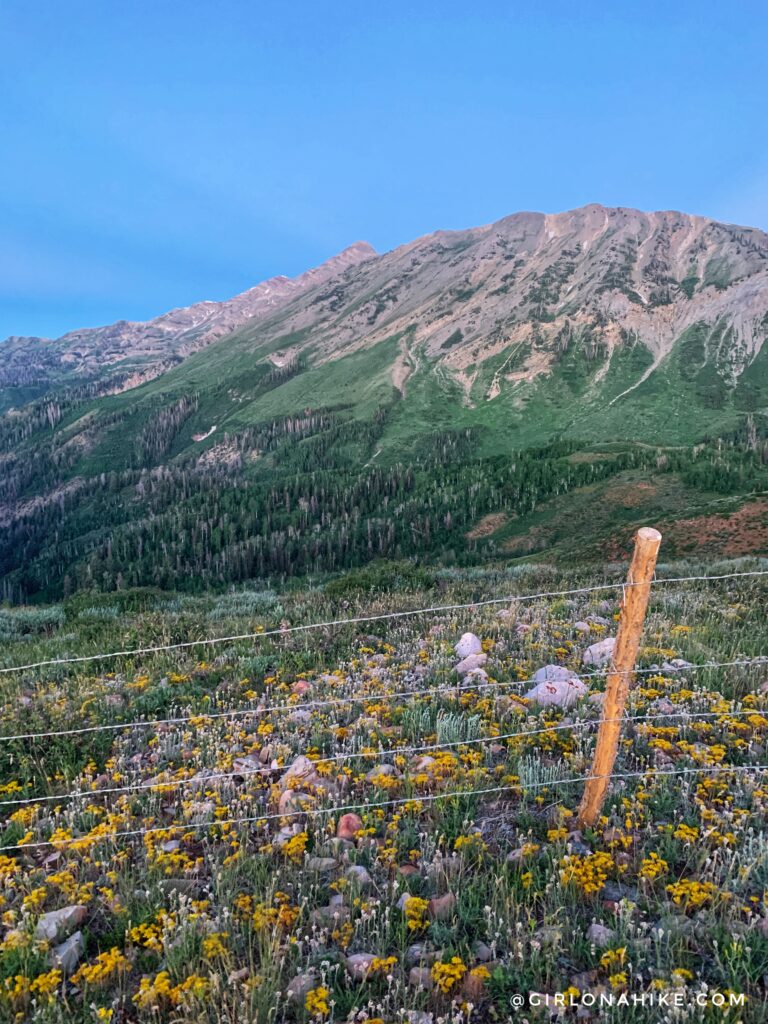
{"x": 383, "y": 404}
{"x": 143, "y": 350}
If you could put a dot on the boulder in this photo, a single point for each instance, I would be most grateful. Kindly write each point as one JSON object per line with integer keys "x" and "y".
{"x": 59, "y": 923}
{"x": 441, "y": 908}
{"x": 470, "y": 663}
{"x": 302, "y": 771}
{"x": 468, "y": 644}
{"x": 599, "y": 655}
{"x": 348, "y": 827}
{"x": 556, "y": 686}
{"x": 299, "y": 986}
{"x": 68, "y": 954}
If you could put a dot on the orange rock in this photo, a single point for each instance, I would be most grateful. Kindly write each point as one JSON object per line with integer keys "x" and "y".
{"x": 441, "y": 908}
{"x": 348, "y": 827}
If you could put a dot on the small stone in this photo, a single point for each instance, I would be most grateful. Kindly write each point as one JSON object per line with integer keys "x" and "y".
{"x": 583, "y": 627}
{"x": 599, "y": 655}
{"x": 359, "y": 964}
{"x": 359, "y": 875}
{"x": 237, "y": 976}
{"x": 548, "y": 935}
{"x": 348, "y": 827}
{"x": 58, "y": 923}
{"x": 468, "y": 644}
{"x": 299, "y": 987}
{"x": 293, "y": 802}
{"x": 322, "y": 865}
{"x": 441, "y": 908}
{"x": 382, "y": 770}
{"x": 482, "y": 952}
{"x": 600, "y": 935}
{"x": 420, "y": 977}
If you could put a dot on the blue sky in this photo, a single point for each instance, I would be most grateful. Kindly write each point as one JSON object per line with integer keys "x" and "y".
{"x": 157, "y": 153}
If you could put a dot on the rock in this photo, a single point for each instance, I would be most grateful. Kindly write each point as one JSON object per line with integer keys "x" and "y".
{"x": 420, "y": 977}
{"x": 359, "y": 875}
{"x": 583, "y": 627}
{"x": 301, "y": 687}
{"x": 576, "y": 844}
{"x": 548, "y": 935}
{"x": 248, "y": 765}
{"x": 470, "y": 663}
{"x": 468, "y": 644}
{"x": 293, "y": 802}
{"x": 476, "y": 675}
{"x": 59, "y": 923}
{"x": 482, "y": 952}
{"x": 556, "y": 686}
{"x": 441, "y": 908}
{"x": 322, "y": 865}
{"x": 380, "y": 770}
{"x": 599, "y": 655}
{"x": 600, "y": 935}
{"x": 68, "y": 954}
{"x": 237, "y": 976}
{"x": 418, "y": 953}
{"x": 348, "y": 827}
{"x": 300, "y": 985}
{"x": 675, "y": 665}
{"x": 359, "y": 964}
{"x": 598, "y": 699}
{"x": 472, "y": 988}
{"x": 302, "y": 771}
{"x": 407, "y": 870}
{"x": 284, "y": 835}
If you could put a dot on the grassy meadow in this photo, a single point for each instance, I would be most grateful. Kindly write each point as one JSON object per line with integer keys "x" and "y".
{"x": 453, "y": 879}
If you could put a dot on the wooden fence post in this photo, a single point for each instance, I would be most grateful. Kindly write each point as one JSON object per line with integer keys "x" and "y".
{"x": 633, "y": 608}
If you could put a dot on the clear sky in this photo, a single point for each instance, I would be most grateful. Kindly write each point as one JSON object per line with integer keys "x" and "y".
{"x": 158, "y": 152}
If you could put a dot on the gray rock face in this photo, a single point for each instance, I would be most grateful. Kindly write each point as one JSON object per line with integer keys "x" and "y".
{"x": 599, "y": 655}
{"x": 467, "y": 645}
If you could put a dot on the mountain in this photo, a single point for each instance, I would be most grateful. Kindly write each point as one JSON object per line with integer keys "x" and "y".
{"x": 135, "y": 352}
{"x": 465, "y": 375}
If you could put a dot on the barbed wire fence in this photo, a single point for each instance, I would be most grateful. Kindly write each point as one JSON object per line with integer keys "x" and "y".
{"x": 635, "y": 592}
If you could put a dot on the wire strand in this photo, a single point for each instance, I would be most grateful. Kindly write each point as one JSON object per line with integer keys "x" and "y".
{"x": 354, "y": 699}
{"x": 363, "y": 806}
{"x": 192, "y": 781}
{"x": 284, "y": 631}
